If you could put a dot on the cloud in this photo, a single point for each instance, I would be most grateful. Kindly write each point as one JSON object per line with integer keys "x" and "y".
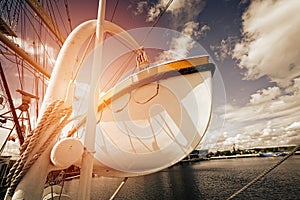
{"x": 140, "y": 7}
{"x": 269, "y": 47}
{"x": 180, "y": 46}
{"x": 204, "y": 30}
{"x": 265, "y": 95}
{"x": 180, "y": 16}
{"x": 192, "y": 29}
{"x": 270, "y": 44}
{"x": 225, "y": 48}
{"x": 270, "y": 118}
{"x": 153, "y": 13}
{"x": 294, "y": 87}
{"x": 179, "y": 12}
{"x": 294, "y": 126}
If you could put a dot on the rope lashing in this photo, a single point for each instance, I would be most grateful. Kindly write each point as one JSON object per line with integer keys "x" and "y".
{"x": 55, "y": 115}
{"x": 142, "y": 59}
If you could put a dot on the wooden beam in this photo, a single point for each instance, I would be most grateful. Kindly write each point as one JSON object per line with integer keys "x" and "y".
{"x": 23, "y": 54}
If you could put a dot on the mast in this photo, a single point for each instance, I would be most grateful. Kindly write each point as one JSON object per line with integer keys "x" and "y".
{"x": 89, "y": 141}
{"x": 11, "y": 105}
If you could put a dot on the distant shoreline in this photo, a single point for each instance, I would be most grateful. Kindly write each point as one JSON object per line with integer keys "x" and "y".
{"x": 246, "y": 156}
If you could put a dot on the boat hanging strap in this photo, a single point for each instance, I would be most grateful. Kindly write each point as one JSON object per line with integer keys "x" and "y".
{"x": 142, "y": 60}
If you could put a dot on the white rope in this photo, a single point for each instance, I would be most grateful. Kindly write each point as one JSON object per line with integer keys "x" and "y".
{"x": 55, "y": 115}
{"x": 263, "y": 174}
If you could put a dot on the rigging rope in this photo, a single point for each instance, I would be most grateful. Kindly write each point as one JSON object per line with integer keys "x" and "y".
{"x": 119, "y": 188}
{"x": 19, "y": 74}
{"x": 117, "y": 76}
{"x": 83, "y": 57}
{"x": 134, "y": 50}
{"x": 119, "y": 73}
{"x": 68, "y": 14}
{"x": 10, "y": 12}
{"x": 50, "y": 7}
{"x": 150, "y": 98}
{"x": 28, "y": 67}
{"x": 23, "y": 25}
{"x": 263, "y": 174}
{"x": 119, "y": 109}
{"x": 25, "y": 11}
{"x": 56, "y": 116}
{"x": 157, "y": 20}
{"x": 60, "y": 17}
{"x": 39, "y": 38}
{"x": 114, "y": 12}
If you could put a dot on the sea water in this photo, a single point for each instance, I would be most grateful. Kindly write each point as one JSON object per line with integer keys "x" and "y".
{"x": 214, "y": 179}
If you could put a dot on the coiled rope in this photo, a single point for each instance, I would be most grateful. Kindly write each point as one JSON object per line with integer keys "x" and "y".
{"x": 55, "y": 115}
{"x": 263, "y": 174}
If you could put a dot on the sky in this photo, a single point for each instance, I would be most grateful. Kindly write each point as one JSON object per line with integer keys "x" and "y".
{"x": 255, "y": 46}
